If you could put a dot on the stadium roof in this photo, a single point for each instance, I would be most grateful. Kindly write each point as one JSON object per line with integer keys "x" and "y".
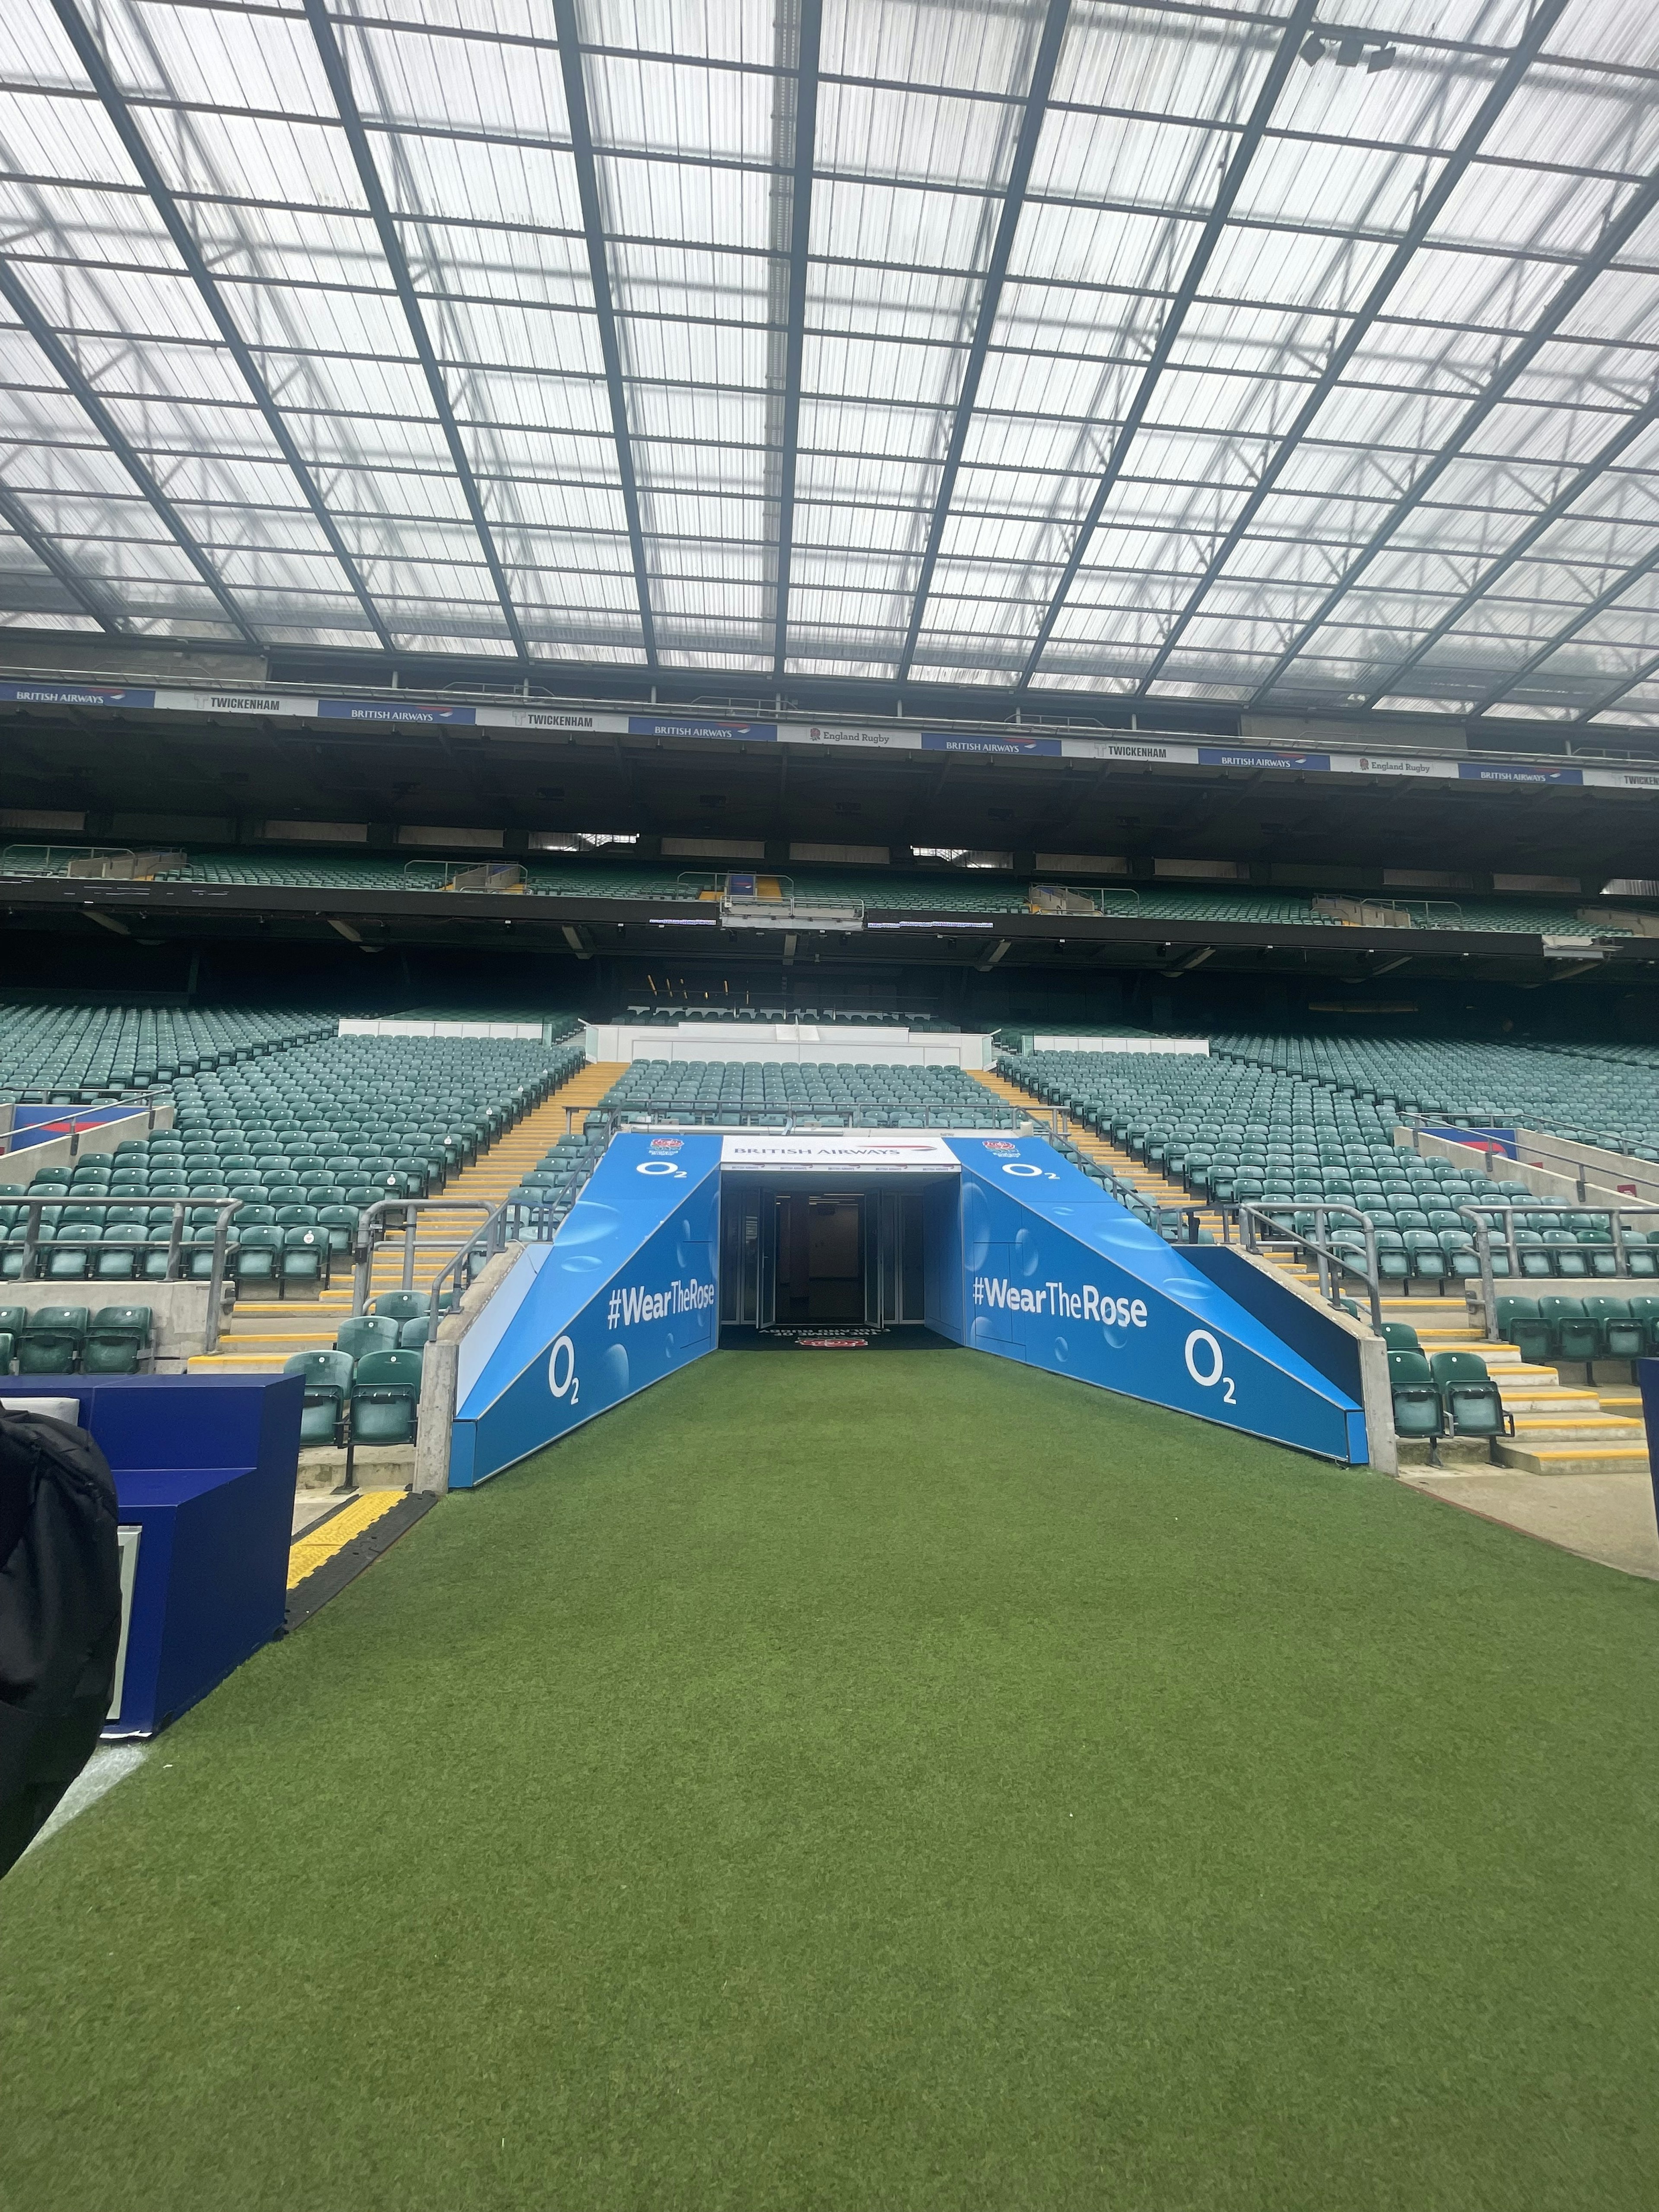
{"x": 1250, "y": 355}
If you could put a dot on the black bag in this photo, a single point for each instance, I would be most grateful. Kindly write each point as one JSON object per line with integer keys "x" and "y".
{"x": 60, "y": 1615}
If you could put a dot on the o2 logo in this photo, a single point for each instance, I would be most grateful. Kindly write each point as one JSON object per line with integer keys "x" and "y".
{"x": 569, "y": 1387}
{"x": 1021, "y": 1168}
{"x": 1204, "y": 1365}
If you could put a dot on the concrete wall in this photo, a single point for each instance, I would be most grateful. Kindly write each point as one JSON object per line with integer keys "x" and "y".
{"x": 1063, "y": 1043}
{"x": 178, "y": 1310}
{"x": 441, "y": 1369}
{"x": 1609, "y": 1176}
{"x": 1613, "y": 1172}
{"x": 805, "y": 1044}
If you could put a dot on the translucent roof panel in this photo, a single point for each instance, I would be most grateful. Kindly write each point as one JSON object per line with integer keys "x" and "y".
{"x": 1237, "y": 354}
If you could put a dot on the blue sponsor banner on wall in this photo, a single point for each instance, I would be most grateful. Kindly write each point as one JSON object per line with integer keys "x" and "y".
{"x": 1494, "y": 1140}
{"x": 677, "y": 726}
{"x": 1512, "y": 772}
{"x": 987, "y": 741}
{"x": 391, "y": 710}
{"x": 1064, "y": 1278}
{"x": 74, "y": 694}
{"x": 1246, "y": 757}
{"x": 43, "y": 1125}
{"x": 625, "y": 1295}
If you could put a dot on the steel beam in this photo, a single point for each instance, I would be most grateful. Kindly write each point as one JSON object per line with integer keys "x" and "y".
{"x": 587, "y": 188}
{"x": 1600, "y": 604}
{"x": 91, "y": 59}
{"x": 68, "y": 370}
{"x": 990, "y": 302}
{"x": 1294, "y": 31}
{"x": 87, "y": 594}
{"x": 1370, "y": 311}
{"x": 800, "y": 224}
{"x": 391, "y": 246}
{"x": 1616, "y": 234}
{"x": 1642, "y": 421}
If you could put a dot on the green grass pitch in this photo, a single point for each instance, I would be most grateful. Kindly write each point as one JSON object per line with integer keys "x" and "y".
{"x": 833, "y": 1782}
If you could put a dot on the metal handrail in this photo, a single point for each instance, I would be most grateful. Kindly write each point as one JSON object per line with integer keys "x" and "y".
{"x": 491, "y": 1235}
{"x": 1327, "y": 1256}
{"x": 224, "y": 1208}
{"x": 1509, "y": 1208}
{"x": 365, "y": 1238}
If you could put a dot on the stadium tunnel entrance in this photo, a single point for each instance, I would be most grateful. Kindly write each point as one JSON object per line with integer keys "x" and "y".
{"x": 802, "y": 1251}
{"x": 998, "y": 1244}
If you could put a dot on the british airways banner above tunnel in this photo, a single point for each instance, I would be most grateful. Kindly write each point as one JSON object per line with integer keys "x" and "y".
{"x": 1063, "y": 1277}
{"x": 624, "y": 1295}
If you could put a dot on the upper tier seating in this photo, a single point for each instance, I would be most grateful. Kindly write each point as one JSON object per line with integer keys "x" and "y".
{"x": 731, "y": 1093}
{"x": 70, "y": 1052}
{"x": 935, "y": 890}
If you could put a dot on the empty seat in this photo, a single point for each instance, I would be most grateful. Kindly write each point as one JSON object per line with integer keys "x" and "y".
{"x": 53, "y": 1339}
{"x": 1470, "y": 1397}
{"x": 117, "y": 1341}
{"x": 1577, "y": 1334}
{"x": 385, "y": 1394}
{"x": 1418, "y": 1412}
{"x": 328, "y": 1377}
{"x": 365, "y": 1333}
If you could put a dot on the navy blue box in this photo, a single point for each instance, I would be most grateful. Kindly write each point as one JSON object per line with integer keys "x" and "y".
{"x": 204, "y": 1469}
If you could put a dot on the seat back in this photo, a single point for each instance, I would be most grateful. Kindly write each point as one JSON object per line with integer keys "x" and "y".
{"x": 365, "y": 1334}
{"x": 1458, "y": 1367}
{"x": 1399, "y": 1336}
{"x": 400, "y": 1305}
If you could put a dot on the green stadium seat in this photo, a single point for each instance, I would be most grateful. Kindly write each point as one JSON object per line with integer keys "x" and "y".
{"x": 1525, "y": 1328}
{"x": 364, "y": 1334}
{"x": 1399, "y": 1336}
{"x": 1417, "y": 1411}
{"x": 53, "y": 1339}
{"x": 328, "y": 1377}
{"x": 1471, "y": 1398}
{"x": 1624, "y": 1335}
{"x": 305, "y": 1256}
{"x": 386, "y": 1393}
{"x": 259, "y": 1256}
{"x": 400, "y": 1305}
{"x": 117, "y": 1341}
{"x": 1578, "y": 1334}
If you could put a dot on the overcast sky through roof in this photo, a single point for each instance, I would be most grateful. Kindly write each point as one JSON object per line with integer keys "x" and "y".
{"x": 1265, "y": 356}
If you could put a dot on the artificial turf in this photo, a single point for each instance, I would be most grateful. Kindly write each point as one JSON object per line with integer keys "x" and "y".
{"x": 860, "y": 1783}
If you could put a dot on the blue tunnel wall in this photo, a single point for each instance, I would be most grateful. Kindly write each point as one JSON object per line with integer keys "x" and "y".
{"x": 1024, "y": 1258}
{"x": 1058, "y": 1275}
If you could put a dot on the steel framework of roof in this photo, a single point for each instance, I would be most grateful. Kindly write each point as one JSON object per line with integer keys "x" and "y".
{"x": 1288, "y": 355}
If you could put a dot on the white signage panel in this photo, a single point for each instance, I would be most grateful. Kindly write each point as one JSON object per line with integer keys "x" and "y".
{"x": 851, "y": 1152}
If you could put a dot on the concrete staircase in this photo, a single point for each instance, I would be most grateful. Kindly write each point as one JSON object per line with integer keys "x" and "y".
{"x": 261, "y": 1335}
{"x": 1561, "y": 1426}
